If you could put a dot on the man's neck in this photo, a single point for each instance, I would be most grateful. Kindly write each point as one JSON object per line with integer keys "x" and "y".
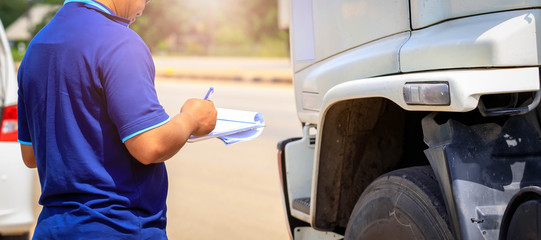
{"x": 110, "y": 4}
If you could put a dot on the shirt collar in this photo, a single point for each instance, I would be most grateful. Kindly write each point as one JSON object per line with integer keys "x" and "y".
{"x": 102, "y": 8}
{"x": 98, "y": 5}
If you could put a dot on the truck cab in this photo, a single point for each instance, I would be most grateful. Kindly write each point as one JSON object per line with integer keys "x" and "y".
{"x": 420, "y": 120}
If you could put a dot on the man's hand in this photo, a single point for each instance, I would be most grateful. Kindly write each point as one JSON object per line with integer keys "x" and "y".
{"x": 203, "y": 113}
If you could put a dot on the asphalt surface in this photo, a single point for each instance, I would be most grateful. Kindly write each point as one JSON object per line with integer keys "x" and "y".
{"x": 229, "y": 192}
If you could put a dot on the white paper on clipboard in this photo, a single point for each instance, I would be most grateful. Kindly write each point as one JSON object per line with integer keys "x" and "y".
{"x": 234, "y": 126}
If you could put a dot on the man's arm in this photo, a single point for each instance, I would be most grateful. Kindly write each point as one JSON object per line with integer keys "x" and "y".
{"x": 28, "y": 155}
{"x": 197, "y": 117}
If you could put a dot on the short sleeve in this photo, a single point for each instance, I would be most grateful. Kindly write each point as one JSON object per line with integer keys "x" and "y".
{"x": 128, "y": 82}
{"x": 23, "y": 132}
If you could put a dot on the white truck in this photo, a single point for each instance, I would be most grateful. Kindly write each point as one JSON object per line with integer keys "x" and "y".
{"x": 421, "y": 120}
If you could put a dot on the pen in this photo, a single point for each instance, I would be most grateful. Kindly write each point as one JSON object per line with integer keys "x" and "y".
{"x": 209, "y": 93}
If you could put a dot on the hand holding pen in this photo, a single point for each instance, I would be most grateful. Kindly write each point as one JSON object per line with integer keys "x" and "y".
{"x": 203, "y": 112}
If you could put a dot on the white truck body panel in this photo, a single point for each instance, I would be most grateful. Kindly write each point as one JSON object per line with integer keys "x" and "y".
{"x": 479, "y": 41}
{"x": 306, "y": 233}
{"x": 495, "y": 40}
{"x": 466, "y": 86}
{"x": 375, "y": 58}
{"x": 300, "y": 181}
{"x": 321, "y": 29}
{"x": 425, "y": 12}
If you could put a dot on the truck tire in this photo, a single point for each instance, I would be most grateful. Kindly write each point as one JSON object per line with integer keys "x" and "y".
{"x": 403, "y": 204}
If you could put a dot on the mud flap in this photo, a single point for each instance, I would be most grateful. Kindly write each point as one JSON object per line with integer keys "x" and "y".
{"x": 480, "y": 167}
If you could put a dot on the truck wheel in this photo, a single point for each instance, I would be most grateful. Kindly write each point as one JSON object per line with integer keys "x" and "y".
{"x": 403, "y": 204}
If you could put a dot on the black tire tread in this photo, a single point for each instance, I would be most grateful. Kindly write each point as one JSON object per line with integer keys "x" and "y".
{"x": 424, "y": 178}
{"x": 419, "y": 185}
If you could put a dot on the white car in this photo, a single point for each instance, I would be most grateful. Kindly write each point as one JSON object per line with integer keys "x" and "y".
{"x": 16, "y": 213}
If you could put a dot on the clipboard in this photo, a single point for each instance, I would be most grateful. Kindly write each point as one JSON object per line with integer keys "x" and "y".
{"x": 234, "y": 126}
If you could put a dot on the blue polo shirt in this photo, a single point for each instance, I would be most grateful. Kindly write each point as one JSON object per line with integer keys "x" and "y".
{"x": 86, "y": 85}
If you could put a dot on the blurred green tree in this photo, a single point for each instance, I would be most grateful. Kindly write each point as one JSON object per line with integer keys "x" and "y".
{"x": 161, "y": 19}
{"x": 200, "y": 27}
{"x": 11, "y": 10}
{"x": 260, "y": 17}
{"x": 213, "y": 27}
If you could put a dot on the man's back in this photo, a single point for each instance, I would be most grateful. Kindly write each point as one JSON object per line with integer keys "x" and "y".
{"x": 93, "y": 80}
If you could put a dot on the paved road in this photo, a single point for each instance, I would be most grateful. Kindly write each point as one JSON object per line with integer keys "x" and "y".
{"x": 219, "y": 192}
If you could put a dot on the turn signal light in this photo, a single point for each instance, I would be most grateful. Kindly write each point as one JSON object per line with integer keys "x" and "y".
{"x": 427, "y": 93}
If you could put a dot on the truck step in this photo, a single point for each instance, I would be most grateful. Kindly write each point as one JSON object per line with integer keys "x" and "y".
{"x": 302, "y": 204}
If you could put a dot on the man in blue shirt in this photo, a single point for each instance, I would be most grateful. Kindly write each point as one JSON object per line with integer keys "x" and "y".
{"x": 90, "y": 121}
